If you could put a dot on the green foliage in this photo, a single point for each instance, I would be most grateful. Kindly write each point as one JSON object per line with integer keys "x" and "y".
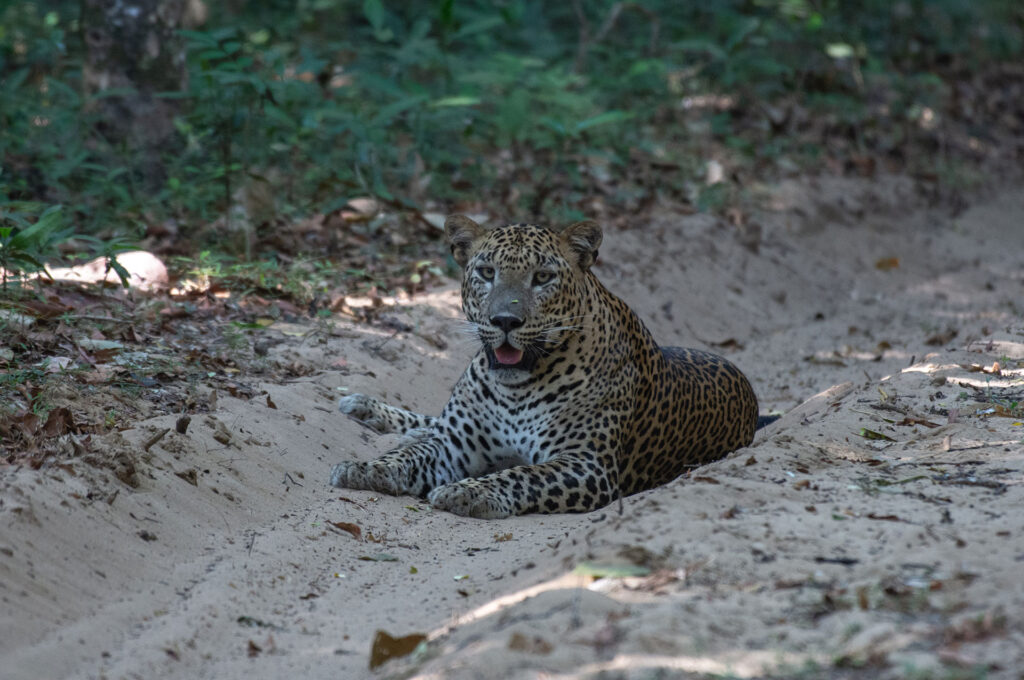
{"x": 25, "y": 244}
{"x": 109, "y": 248}
{"x": 317, "y": 101}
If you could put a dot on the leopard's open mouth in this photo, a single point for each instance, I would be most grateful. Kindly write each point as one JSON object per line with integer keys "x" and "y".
{"x": 507, "y": 356}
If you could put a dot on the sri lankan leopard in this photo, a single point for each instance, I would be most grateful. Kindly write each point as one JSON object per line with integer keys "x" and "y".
{"x": 569, "y": 403}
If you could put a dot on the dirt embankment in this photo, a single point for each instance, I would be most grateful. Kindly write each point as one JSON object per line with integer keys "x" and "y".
{"x": 874, "y": 531}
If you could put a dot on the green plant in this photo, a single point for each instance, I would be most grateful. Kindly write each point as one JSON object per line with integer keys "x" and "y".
{"x": 530, "y": 106}
{"x": 25, "y": 244}
{"x": 108, "y": 249}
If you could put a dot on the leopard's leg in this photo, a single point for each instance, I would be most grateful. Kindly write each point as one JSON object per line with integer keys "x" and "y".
{"x": 383, "y": 418}
{"x": 569, "y": 482}
{"x": 414, "y": 469}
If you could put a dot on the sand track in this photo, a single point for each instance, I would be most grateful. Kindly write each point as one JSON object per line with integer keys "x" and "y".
{"x": 816, "y": 550}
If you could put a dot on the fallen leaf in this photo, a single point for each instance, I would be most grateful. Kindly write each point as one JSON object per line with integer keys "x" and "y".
{"x": 1006, "y": 412}
{"x": 253, "y": 622}
{"x": 351, "y": 528}
{"x": 533, "y": 645}
{"x": 44, "y": 310}
{"x": 60, "y": 421}
{"x": 871, "y": 434}
{"x": 729, "y": 343}
{"x": 100, "y": 345}
{"x": 12, "y": 318}
{"x": 253, "y": 649}
{"x": 56, "y": 364}
{"x": 385, "y": 647}
{"x": 270, "y": 402}
{"x": 706, "y": 480}
{"x": 941, "y": 338}
{"x": 379, "y": 557}
{"x": 862, "y": 598}
{"x": 501, "y": 538}
{"x": 887, "y": 263}
{"x": 914, "y": 420}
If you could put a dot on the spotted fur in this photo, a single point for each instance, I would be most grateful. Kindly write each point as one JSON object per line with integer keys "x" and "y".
{"x": 568, "y": 405}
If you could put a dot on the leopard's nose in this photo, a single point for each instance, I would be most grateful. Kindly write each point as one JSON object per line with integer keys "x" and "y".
{"x": 506, "y": 322}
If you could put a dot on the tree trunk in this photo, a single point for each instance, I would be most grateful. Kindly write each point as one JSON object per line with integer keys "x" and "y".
{"x": 133, "y": 46}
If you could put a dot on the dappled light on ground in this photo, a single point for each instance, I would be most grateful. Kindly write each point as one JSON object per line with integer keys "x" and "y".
{"x": 142, "y": 270}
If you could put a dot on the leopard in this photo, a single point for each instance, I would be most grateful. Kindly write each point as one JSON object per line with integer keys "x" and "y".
{"x": 568, "y": 403}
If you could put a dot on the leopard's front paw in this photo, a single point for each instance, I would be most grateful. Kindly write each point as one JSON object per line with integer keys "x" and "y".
{"x": 469, "y": 498}
{"x": 376, "y": 476}
{"x": 365, "y": 411}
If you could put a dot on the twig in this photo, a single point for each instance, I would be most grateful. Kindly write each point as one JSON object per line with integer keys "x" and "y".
{"x": 890, "y": 407}
{"x": 289, "y": 478}
{"x": 155, "y": 438}
{"x": 586, "y": 41}
{"x": 997, "y": 487}
{"x": 377, "y": 348}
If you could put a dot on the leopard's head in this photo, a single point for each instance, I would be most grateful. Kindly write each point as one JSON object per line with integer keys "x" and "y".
{"x": 523, "y": 287}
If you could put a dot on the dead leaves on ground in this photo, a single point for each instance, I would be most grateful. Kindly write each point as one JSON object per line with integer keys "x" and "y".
{"x": 385, "y": 647}
{"x": 533, "y": 644}
{"x": 350, "y": 528}
{"x": 24, "y": 429}
{"x": 887, "y": 263}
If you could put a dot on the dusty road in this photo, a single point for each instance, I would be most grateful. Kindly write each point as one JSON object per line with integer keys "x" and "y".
{"x": 875, "y": 531}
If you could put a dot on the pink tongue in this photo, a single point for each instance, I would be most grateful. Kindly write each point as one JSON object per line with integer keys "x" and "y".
{"x": 507, "y": 354}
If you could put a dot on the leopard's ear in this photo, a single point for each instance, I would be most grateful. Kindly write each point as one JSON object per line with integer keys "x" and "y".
{"x": 461, "y": 233}
{"x": 583, "y": 240}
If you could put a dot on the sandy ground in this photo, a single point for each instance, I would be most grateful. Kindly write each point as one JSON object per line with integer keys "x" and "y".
{"x": 875, "y": 531}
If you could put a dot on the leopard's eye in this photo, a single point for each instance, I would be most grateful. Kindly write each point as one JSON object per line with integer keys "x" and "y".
{"x": 486, "y": 273}
{"x": 541, "y": 278}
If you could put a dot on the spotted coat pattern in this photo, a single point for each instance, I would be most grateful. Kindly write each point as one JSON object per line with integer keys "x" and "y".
{"x": 568, "y": 405}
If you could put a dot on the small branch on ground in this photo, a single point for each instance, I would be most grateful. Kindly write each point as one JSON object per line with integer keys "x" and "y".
{"x": 155, "y": 438}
